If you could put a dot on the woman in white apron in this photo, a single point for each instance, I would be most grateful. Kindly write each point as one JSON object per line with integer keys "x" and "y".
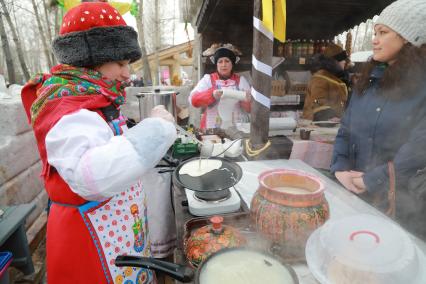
{"x": 92, "y": 163}
{"x": 210, "y": 89}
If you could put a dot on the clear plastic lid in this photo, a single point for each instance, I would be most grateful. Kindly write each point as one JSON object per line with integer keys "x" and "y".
{"x": 364, "y": 249}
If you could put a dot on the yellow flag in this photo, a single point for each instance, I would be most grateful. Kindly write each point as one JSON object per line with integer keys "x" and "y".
{"x": 274, "y": 17}
{"x": 122, "y": 7}
{"x": 68, "y": 4}
{"x": 268, "y": 15}
{"x": 280, "y": 17}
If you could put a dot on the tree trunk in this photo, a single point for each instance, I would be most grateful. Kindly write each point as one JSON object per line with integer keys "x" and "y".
{"x": 157, "y": 45}
{"x": 354, "y": 47}
{"x": 6, "y": 50}
{"x": 46, "y": 15}
{"x": 22, "y": 42}
{"x": 16, "y": 41}
{"x": 43, "y": 38}
{"x": 36, "y": 59}
{"x": 49, "y": 31}
{"x": 57, "y": 20}
{"x": 146, "y": 68}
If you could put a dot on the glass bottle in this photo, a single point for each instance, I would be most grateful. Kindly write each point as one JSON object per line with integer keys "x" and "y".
{"x": 288, "y": 52}
{"x": 311, "y": 48}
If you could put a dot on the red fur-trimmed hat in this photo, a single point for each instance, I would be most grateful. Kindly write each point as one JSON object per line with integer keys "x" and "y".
{"x": 94, "y": 33}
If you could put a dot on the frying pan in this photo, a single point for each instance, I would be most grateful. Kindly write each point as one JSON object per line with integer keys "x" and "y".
{"x": 222, "y": 179}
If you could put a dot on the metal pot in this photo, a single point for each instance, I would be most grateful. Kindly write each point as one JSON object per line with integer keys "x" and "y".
{"x": 149, "y": 100}
{"x": 221, "y": 266}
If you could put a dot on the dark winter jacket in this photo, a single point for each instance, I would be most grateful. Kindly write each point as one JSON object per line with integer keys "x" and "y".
{"x": 376, "y": 129}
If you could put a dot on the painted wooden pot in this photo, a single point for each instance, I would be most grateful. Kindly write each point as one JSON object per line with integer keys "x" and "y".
{"x": 287, "y": 207}
{"x": 210, "y": 239}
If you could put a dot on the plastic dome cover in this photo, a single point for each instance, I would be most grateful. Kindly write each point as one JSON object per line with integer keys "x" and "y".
{"x": 364, "y": 249}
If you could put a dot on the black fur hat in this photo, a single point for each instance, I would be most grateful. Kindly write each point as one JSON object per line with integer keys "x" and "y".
{"x": 224, "y": 52}
{"x": 94, "y": 33}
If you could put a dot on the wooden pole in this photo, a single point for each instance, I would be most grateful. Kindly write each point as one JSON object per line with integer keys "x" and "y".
{"x": 262, "y": 51}
{"x": 260, "y": 146}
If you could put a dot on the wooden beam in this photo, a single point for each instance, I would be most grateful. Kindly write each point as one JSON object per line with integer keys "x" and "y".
{"x": 165, "y": 54}
{"x": 182, "y": 62}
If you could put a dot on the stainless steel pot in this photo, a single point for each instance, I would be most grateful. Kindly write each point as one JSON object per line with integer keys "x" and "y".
{"x": 149, "y": 100}
{"x": 261, "y": 264}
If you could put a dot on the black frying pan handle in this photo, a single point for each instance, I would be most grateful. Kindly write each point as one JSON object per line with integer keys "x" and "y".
{"x": 179, "y": 272}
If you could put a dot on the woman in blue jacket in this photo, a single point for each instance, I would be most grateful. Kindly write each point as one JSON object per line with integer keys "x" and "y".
{"x": 386, "y": 117}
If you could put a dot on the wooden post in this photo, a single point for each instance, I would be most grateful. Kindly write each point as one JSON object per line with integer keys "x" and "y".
{"x": 260, "y": 146}
{"x": 262, "y": 51}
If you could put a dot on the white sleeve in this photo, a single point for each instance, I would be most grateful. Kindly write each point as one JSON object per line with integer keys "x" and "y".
{"x": 203, "y": 85}
{"x": 244, "y": 84}
{"x": 95, "y": 163}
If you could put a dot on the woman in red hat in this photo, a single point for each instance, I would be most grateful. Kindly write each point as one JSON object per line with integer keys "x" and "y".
{"x": 92, "y": 163}
{"x": 209, "y": 90}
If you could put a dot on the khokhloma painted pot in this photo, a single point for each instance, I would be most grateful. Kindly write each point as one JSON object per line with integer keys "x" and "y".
{"x": 210, "y": 239}
{"x": 287, "y": 207}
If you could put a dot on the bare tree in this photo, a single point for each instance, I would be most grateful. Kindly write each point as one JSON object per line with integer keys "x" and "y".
{"x": 48, "y": 24}
{"x": 49, "y": 28}
{"x": 53, "y": 6}
{"x": 139, "y": 21}
{"x": 354, "y": 46}
{"x": 43, "y": 38}
{"x": 6, "y": 50}
{"x": 157, "y": 44}
{"x": 20, "y": 38}
{"x": 367, "y": 42}
{"x": 16, "y": 41}
{"x": 57, "y": 19}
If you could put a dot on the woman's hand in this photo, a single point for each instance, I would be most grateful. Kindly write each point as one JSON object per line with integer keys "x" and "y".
{"x": 358, "y": 181}
{"x": 161, "y": 112}
{"x": 350, "y": 180}
{"x": 345, "y": 179}
{"x": 217, "y": 94}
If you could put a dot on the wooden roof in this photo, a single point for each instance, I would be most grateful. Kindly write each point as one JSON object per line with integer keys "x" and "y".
{"x": 306, "y": 19}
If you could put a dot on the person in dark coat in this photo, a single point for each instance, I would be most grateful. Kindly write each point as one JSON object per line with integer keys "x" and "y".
{"x": 386, "y": 117}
